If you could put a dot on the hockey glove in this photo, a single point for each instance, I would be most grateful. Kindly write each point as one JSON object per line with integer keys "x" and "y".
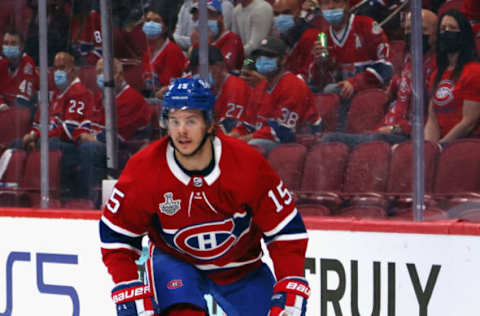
{"x": 133, "y": 299}
{"x": 290, "y": 297}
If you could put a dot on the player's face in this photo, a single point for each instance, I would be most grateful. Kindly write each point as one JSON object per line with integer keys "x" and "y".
{"x": 186, "y": 129}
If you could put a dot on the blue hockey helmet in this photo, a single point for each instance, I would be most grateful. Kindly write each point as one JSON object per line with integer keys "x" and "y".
{"x": 190, "y": 93}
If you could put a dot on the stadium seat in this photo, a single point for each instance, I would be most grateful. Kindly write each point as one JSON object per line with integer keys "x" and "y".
{"x": 449, "y": 5}
{"x": 313, "y": 210}
{"x": 477, "y": 42}
{"x": 16, "y": 167}
{"x": 366, "y": 111}
{"x": 362, "y": 211}
{"x": 288, "y": 161}
{"x": 430, "y": 214}
{"x": 327, "y": 105}
{"x": 79, "y": 204}
{"x": 457, "y": 173}
{"x": 400, "y": 179}
{"x": 397, "y": 53}
{"x": 367, "y": 173}
{"x": 323, "y": 173}
{"x": 88, "y": 76}
{"x": 133, "y": 75}
{"x": 14, "y": 123}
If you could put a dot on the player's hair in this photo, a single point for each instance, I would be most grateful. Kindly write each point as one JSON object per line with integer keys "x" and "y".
{"x": 467, "y": 52}
{"x": 15, "y": 32}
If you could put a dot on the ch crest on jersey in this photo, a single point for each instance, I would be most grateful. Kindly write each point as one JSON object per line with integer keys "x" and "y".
{"x": 170, "y": 206}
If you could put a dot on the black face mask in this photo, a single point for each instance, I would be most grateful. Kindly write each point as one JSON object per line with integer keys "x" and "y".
{"x": 425, "y": 39}
{"x": 449, "y": 42}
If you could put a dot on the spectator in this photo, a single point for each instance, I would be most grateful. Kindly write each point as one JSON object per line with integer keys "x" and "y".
{"x": 397, "y": 124}
{"x": 133, "y": 122}
{"x": 232, "y": 93}
{"x": 70, "y": 105}
{"x": 227, "y": 12}
{"x": 358, "y": 51}
{"x": 185, "y": 25}
{"x": 471, "y": 8}
{"x": 229, "y": 43}
{"x": 252, "y": 20}
{"x": 17, "y": 74}
{"x": 163, "y": 59}
{"x": 86, "y": 33}
{"x": 282, "y": 104}
{"x": 454, "y": 109}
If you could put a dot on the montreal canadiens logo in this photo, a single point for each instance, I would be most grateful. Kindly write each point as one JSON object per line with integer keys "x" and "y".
{"x": 174, "y": 284}
{"x": 211, "y": 240}
{"x": 444, "y": 94}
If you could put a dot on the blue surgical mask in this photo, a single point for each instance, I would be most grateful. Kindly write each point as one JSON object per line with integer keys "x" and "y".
{"x": 266, "y": 65}
{"x": 334, "y": 16}
{"x": 60, "y": 78}
{"x": 284, "y": 22}
{"x": 11, "y": 52}
{"x": 152, "y": 29}
{"x": 213, "y": 26}
{"x": 100, "y": 82}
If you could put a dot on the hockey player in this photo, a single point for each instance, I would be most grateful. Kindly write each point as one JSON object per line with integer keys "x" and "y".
{"x": 205, "y": 201}
{"x": 18, "y": 77}
{"x": 358, "y": 52}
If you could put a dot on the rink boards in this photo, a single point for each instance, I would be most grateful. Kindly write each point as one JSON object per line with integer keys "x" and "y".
{"x": 50, "y": 265}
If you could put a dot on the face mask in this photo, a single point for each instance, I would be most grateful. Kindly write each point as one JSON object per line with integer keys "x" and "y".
{"x": 11, "y": 52}
{"x": 60, "y": 78}
{"x": 425, "y": 39}
{"x": 100, "y": 82}
{"x": 152, "y": 29}
{"x": 266, "y": 65}
{"x": 284, "y": 22}
{"x": 334, "y": 16}
{"x": 449, "y": 42}
{"x": 213, "y": 26}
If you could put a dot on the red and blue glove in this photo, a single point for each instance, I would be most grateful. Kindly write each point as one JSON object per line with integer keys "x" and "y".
{"x": 133, "y": 299}
{"x": 290, "y": 297}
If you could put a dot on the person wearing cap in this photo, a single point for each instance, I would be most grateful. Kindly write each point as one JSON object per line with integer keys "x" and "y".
{"x": 252, "y": 20}
{"x": 163, "y": 60}
{"x": 282, "y": 104}
{"x": 232, "y": 93}
{"x": 229, "y": 43}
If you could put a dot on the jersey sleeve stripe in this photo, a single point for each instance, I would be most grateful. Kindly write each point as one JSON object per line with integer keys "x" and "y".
{"x": 289, "y": 237}
{"x": 118, "y": 229}
{"x": 108, "y": 236}
{"x": 111, "y": 246}
{"x": 282, "y": 224}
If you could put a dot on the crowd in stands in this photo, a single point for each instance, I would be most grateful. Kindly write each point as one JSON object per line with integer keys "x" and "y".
{"x": 303, "y": 72}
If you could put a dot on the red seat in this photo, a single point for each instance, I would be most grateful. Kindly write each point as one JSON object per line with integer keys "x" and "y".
{"x": 14, "y": 123}
{"x": 288, "y": 160}
{"x": 397, "y": 53}
{"x": 16, "y": 167}
{"x": 313, "y": 210}
{"x": 366, "y": 111}
{"x": 366, "y": 174}
{"x": 449, "y": 5}
{"x": 79, "y": 204}
{"x": 429, "y": 214}
{"x": 133, "y": 75}
{"x": 363, "y": 211}
{"x": 457, "y": 172}
{"x": 88, "y": 76}
{"x": 327, "y": 105}
{"x": 323, "y": 174}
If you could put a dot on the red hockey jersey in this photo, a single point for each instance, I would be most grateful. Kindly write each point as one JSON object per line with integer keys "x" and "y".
{"x": 169, "y": 62}
{"x": 22, "y": 84}
{"x": 68, "y": 109}
{"x": 87, "y": 37}
{"x": 214, "y": 222}
{"x": 230, "y": 44}
{"x": 448, "y": 97}
{"x": 360, "y": 53}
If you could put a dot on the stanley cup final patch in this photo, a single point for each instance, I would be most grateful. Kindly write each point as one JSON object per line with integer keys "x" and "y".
{"x": 170, "y": 206}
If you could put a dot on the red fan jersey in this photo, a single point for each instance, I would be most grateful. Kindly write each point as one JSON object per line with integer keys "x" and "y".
{"x": 133, "y": 113}
{"x": 22, "y": 83}
{"x": 68, "y": 109}
{"x": 231, "y": 103}
{"x": 282, "y": 110}
{"x": 300, "y": 56}
{"x": 448, "y": 97}
{"x": 400, "y": 113}
{"x": 359, "y": 53}
{"x": 87, "y": 37}
{"x": 214, "y": 222}
{"x": 230, "y": 44}
{"x": 169, "y": 62}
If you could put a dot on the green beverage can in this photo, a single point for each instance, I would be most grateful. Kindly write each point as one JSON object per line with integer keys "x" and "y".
{"x": 322, "y": 37}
